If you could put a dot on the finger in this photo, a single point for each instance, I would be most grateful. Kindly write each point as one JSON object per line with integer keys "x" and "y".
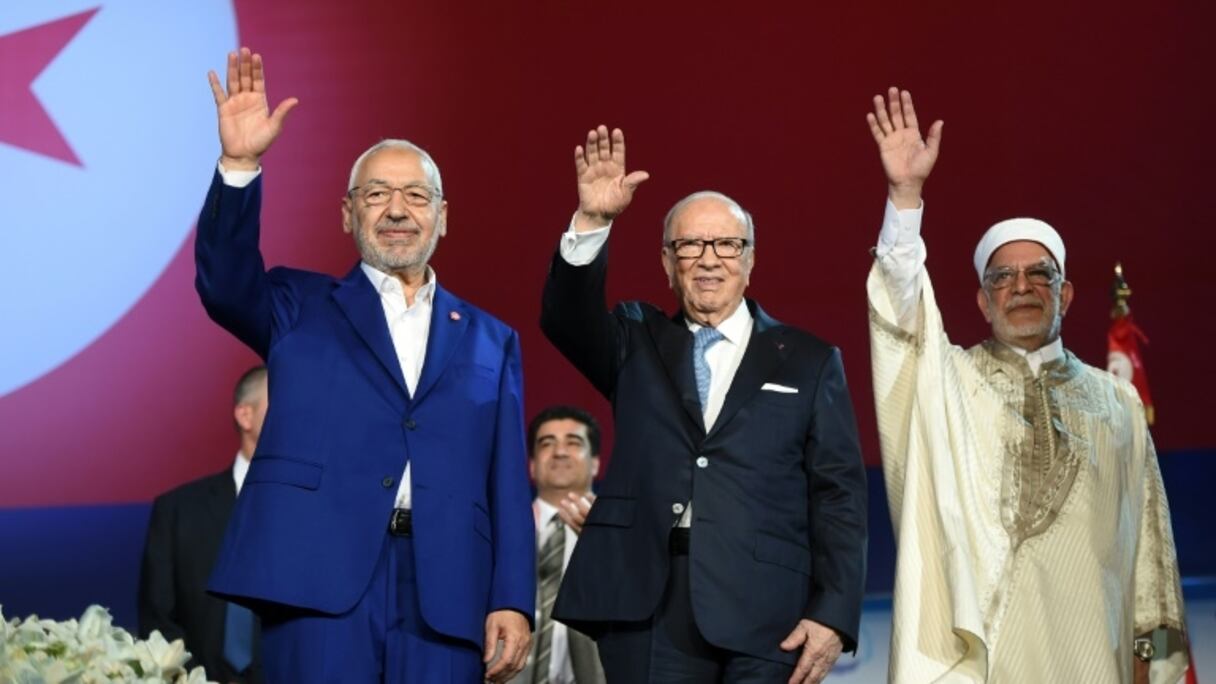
{"x": 794, "y": 640}
{"x": 875, "y": 130}
{"x": 580, "y": 161}
{"x": 618, "y": 146}
{"x": 246, "y": 70}
{"x": 521, "y": 654}
{"x": 802, "y": 671}
{"x": 259, "y": 76}
{"x": 905, "y": 99}
{"x": 897, "y": 114}
{"x": 880, "y": 111}
{"x": 593, "y": 137}
{"x": 280, "y": 112}
{"x": 217, "y": 90}
{"x": 508, "y": 654}
{"x": 935, "y": 137}
{"x": 631, "y": 181}
{"x": 491, "y": 640}
{"x": 603, "y": 147}
{"x": 234, "y": 76}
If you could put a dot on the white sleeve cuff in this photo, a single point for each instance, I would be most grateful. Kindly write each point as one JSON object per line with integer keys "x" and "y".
{"x": 580, "y": 249}
{"x": 900, "y": 228}
{"x": 237, "y": 178}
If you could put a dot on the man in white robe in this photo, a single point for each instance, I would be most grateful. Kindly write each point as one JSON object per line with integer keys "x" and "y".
{"x": 1034, "y": 540}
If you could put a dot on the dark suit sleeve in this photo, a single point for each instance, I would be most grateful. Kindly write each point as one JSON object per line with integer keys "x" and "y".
{"x": 513, "y": 584}
{"x": 157, "y": 593}
{"x": 837, "y": 499}
{"x": 576, "y": 320}
{"x": 231, "y": 277}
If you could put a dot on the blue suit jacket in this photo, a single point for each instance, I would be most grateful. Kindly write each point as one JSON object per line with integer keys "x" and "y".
{"x": 312, "y": 517}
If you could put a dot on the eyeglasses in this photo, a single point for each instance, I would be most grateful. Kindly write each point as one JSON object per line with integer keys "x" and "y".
{"x": 724, "y": 248}
{"x": 379, "y": 194}
{"x": 1039, "y": 275}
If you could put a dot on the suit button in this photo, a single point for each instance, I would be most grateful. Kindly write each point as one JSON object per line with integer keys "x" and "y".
{"x": 677, "y": 508}
{"x": 387, "y": 482}
{"x": 702, "y": 462}
{"x": 410, "y": 424}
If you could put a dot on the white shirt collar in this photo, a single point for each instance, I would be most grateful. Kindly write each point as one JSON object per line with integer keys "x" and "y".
{"x": 733, "y": 328}
{"x": 239, "y": 469}
{"x": 386, "y": 283}
{"x": 1042, "y": 355}
{"x": 544, "y": 512}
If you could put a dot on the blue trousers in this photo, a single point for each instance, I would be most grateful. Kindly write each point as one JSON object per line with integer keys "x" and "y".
{"x": 382, "y": 639}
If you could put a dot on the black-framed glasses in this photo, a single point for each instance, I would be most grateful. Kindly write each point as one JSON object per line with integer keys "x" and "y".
{"x": 724, "y": 248}
{"x": 378, "y": 194}
{"x": 1039, "y": 275}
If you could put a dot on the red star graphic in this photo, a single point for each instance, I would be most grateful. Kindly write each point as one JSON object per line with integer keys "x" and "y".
{"x": 24, "y": 55}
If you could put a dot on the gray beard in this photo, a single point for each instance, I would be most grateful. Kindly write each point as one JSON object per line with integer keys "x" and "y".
{"x": 391, "y": 263}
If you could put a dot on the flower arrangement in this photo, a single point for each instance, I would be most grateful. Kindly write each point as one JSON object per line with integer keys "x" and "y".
{"x": 88, "y": 651}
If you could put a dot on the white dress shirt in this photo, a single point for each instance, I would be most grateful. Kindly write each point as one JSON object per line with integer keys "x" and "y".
{"x": 901, "y": 256}
{"x": 561, "y": 668}
{"x": 723, "y": 358}
{"x": 239, "y": 469}
{"x": 408, "y": 325}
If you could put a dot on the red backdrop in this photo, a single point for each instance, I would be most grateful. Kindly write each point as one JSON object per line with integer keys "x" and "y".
{"x": 1092, "y": 116}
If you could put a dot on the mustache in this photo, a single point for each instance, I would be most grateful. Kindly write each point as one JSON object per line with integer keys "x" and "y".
{"x": 1025, "y": 300}
{"x": 398, "y": 224}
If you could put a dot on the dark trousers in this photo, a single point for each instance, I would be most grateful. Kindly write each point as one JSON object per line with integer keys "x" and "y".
{"x": 669, "y": 649}
{"x": 382, "y": 639}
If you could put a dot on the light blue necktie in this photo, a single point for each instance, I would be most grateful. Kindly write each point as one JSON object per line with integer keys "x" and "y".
{"x": 238, "y": 637}
{"x": 702, "y": 340}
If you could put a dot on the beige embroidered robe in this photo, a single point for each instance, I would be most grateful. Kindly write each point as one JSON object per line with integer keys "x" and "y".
{"x": 1033, "y": 534}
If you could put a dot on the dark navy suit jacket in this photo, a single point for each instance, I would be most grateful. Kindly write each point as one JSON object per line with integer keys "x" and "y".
{"x": 312, "y": 518}
{"x": 779, "y": 501}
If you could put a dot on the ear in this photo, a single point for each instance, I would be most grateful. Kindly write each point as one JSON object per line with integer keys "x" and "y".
{"x": 532, "y": 468}
{"x": 668, "y": 267}
{"x": 1066, "y": 293}
{"x": 595, "y": 467}
{"x": 443, "y": 218}
{"x": 751, "y": 263}
{"x": 348, "y": 221}
{"x": 243, "y": 415}
{"x": 981, "y": 300}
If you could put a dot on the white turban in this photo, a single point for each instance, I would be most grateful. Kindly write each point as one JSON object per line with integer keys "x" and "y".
{"x": 1013, "y": 230}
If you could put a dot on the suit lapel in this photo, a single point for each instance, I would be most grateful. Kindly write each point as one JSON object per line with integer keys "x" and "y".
{"x": 360, "y": 303}
{"x": 674, "y": 343}
{"x": 449, "y": 320}
{"x": 222, "y": 498}
{"x": 766, "y": 351}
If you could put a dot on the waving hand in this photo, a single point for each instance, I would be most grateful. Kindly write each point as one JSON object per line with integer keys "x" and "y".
{"x": 247, "y": 126}
{"x": 906, "y": 157}
{"x": 604, "y": 190}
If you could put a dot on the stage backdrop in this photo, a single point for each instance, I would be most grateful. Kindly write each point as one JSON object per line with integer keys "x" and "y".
{"x": 114, "y": 385}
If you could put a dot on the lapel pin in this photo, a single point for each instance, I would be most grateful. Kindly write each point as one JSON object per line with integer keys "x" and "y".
{"x": 455, "y": 315}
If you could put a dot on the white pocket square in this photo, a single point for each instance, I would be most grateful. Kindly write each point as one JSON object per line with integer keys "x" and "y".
{"x": 774, "y": 387}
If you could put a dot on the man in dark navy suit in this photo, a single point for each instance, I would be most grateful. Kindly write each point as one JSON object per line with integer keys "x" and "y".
{"x": 728, "y": 540}
{"x": 184, "y": 536}
{"x": 385, "y": 530}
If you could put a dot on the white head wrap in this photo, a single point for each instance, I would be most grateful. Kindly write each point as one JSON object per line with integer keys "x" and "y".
{"x": 1013, "y": 230}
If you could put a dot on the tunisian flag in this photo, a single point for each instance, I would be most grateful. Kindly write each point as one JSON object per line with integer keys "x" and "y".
{"x": 1124, "y": 360}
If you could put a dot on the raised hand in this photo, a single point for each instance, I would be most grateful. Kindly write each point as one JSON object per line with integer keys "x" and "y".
{"x": 247, "y": 126}
{"x": 603, "y": 188}
{"x": 906, "y": 157}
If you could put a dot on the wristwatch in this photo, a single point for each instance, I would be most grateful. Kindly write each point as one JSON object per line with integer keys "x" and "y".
{"x": 1143, "y": 649}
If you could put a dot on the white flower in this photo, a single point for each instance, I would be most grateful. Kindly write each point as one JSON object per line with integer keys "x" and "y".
{"x": 91, "y": 651}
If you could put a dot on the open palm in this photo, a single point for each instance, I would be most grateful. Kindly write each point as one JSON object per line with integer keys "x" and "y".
{"x": 247, "y": 126}
{"x": 604, "y": 190}
{"x": 906, "y": 157}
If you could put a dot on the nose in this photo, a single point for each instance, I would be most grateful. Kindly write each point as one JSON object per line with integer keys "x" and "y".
{"x": 397, "y": 208}
{"x": 1021, "y": 282}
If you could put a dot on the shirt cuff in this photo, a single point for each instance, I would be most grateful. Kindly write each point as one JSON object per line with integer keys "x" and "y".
{"x": 580, "y": 249}
{"x": 237, "y": 178}
{"x": 900, "y": 227}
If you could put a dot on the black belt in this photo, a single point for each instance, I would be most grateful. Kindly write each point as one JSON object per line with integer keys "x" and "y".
{"x": 677, "y": 543}
{"x": 401, "y": 523}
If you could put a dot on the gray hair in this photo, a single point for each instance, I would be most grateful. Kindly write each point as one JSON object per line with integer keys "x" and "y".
{"x": 428, "y": 164}
{"x": 248, "y": 385}
{"x": 740, "y": 213}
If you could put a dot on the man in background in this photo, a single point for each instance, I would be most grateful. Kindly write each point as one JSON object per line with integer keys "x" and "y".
{"x": 564, "y": 450}
{"x": 184, "y": 536}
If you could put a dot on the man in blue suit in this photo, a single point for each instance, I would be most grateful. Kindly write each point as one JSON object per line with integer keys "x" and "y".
{"x": 385, "y": 532}
{"x": 727, "y": 543}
